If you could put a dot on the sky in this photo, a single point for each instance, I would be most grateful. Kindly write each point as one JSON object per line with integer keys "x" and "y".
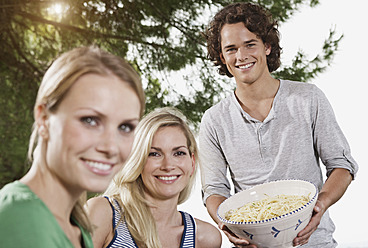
{"x": 345, "y": 86}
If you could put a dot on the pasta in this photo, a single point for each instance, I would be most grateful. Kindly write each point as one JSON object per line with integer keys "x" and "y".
{"x": 267, "y": 208}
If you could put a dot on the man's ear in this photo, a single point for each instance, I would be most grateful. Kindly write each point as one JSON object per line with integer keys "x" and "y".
{"x": 268, "y": 49}
{"x": 222, "y": 58}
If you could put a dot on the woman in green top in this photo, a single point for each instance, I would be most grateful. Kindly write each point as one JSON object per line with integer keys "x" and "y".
{"x": 87, "y": 107}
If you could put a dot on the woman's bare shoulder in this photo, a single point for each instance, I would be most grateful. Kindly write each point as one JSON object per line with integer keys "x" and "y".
{"x": 99, "y": 207}
{"x": 100, "y": 214}
{"x": 207, "y": 235}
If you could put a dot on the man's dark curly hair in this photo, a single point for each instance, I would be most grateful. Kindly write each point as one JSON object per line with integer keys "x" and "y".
{"x": 256, "y": 19}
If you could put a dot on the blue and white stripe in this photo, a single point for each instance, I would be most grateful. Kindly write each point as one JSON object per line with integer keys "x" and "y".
{"x": 188, "y": 238}
{"x": 123, "y": 239}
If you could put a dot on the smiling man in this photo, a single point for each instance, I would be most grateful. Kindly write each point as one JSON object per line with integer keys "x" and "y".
{"x": 268, "y": 129}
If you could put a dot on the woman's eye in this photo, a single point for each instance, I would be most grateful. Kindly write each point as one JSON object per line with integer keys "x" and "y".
{"x": 91, "y": 121}
{"x": 127, "y": 128}
{"x": 153, "y": 154}
{"x": 180, "y": 153}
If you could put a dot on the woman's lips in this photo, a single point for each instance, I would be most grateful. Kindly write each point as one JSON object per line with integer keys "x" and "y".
{"x": 98, "y": 167}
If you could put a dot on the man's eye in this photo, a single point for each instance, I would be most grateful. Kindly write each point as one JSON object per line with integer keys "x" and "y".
{"x": 91, "y": 121}
{"x": 230, "y": 50}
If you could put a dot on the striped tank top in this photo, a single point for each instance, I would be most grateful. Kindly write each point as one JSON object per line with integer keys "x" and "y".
{"x": 123, "y": 239}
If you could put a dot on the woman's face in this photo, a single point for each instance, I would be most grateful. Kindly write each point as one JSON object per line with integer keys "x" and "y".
{"x": 91, "y": 132}
{"x": 169, "y": 164}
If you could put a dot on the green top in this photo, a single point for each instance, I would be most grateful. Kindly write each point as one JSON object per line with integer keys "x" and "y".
{"x": 25, "y": 221}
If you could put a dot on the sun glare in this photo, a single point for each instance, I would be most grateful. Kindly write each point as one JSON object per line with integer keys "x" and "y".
{"x": 56, "y": 9}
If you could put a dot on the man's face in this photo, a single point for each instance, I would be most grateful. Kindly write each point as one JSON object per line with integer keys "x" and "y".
{"x": 243, "y": 53}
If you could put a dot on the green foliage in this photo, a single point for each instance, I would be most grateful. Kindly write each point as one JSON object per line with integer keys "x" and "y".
{"x": 15, "y": 126}
{"x": 304, "y": 70}
{"x": 155, "y": 35}
{"x": 155, "y": 96}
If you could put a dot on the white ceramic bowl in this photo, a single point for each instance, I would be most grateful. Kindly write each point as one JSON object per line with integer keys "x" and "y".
{"x": 276, "y": 232}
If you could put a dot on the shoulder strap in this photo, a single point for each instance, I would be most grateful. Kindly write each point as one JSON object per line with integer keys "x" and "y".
{"x": 188, "y": 237}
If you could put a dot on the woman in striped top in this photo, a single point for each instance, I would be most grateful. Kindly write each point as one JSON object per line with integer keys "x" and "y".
{"x": 140, "y": 206}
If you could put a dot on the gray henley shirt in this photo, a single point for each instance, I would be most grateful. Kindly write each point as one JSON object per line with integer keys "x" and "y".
{"x": 299, "y": 131}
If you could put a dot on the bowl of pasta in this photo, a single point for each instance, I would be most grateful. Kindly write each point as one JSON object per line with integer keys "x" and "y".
{"x": 270, "y": 214}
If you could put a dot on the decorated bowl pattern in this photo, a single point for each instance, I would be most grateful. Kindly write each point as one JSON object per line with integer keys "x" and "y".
{"x": 278, "y": 231}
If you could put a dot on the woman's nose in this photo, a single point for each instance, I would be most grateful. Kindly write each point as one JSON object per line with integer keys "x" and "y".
{"x": 108, "y": 143}
{"x": 168, "y": 163}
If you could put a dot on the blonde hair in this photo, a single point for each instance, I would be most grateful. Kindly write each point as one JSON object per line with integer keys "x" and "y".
{"x": 128, "y": 188}
{"x": 58, "y": 79}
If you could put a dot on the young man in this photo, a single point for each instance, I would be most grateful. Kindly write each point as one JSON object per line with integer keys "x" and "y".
{"x": 268, "y": 129}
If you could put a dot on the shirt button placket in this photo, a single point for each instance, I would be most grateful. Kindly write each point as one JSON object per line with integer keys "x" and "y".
{"x": 262, "y": 148}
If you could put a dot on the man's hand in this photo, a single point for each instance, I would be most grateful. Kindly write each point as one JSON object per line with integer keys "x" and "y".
{"x": 238, "y": 242}
{"x": 212, "y": 205}
{"x": 304, "y": 235}
{"x": 333, "y": 189}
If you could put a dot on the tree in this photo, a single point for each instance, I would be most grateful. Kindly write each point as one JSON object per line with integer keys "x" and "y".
{"x": 158, "y": 37}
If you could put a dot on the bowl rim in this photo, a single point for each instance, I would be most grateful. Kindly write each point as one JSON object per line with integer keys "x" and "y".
{"x": 311, "y": 201}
